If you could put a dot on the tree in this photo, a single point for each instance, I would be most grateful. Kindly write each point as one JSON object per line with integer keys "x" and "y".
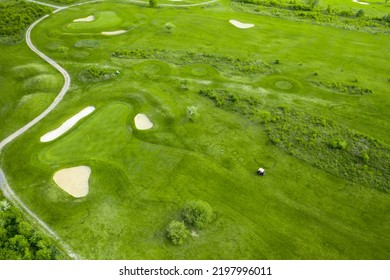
{"x": 152, "y": 3}
{"x": 184, "y": 84}
{"x": 170, "y": 27}
{"x": 4, "y": 205}
{"x": 198, "y": 214}
{"x": 313, "y": 3}
{"x": 177, "y": 232}
{"x": 360, "y": 13}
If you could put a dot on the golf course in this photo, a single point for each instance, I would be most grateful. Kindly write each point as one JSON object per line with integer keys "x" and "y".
{"x": 121, "y": 119}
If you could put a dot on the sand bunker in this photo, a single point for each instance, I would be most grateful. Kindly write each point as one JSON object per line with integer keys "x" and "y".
{"x": 241, "y": 25}
{"x": 68, "y": 124}
{"x": 110, "y": 33}
{"x": 74, "y": 180}
{"x": 142, "y": 122}
{"x": 86, "y": 19}
{"x": 362, "y": 3}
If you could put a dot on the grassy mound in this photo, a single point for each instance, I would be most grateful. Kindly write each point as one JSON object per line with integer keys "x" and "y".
{"x": 87, "y": 43}
{"x": 281, "y": 83}
{"x": 28, "y": 70}
{"x": 32, "y": 105}
{"x": 43, "y": 82}
{"x": 152, "y": 69}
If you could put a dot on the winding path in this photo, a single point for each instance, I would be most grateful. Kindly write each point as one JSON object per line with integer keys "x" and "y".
{"x": 57, "y": 100}
{"x": 4, "y": 186}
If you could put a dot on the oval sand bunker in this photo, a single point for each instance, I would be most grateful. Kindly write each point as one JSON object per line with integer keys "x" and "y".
{"x": 74, "y": 180}
{"x": 67, "y": 125}
{"x": 241, "y": 25}
{"x": 111, "y": 33}
{"x": 142, "y": 122}
{"x": 86, "y": 19}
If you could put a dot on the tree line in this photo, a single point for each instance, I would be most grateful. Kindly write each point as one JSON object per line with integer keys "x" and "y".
{"x": 16, "y": 16}
{"x": 20, "y": 241}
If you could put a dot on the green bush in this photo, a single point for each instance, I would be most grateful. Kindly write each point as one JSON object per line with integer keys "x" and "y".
{"x": 152, "y": 3}
{"x": 169, "y": 27}
{"x": 192, "y": 113}
{"x": 96, "y": 73}
{"x": 19, "y": 240}
{"x": 177, "y": 232}
{"x": 16, "y": 16}
{"x": 360, "y": 13}
{"x": 338, "y": 144}
{"x": 227, "y": 64}
{"x": 198, "y": 214}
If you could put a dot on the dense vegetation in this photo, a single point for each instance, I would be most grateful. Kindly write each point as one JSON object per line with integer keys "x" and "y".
{"x": 329, "y": 146}
{"x": 16, "y": 16}
{"x": 96, "y": 73}
{"x": 19, "y": 240}
{"x": 177, "y": 232}
{"x": 316, "y": 140}
{"x": 341, "y": 87}
{"x": 229, "y": 65}
{"x": 198, "y": 214}
{"x": 312, "y": 11}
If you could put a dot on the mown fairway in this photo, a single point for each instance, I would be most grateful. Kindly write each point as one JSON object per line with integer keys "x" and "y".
{"x": 141, "y": 179}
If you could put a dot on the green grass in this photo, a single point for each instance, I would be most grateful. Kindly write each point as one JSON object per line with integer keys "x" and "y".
{"x": 24, "y": 77}
{"x": 141, "y": 180}
{"x": 104, "y": 21}
{"x": 109, "y": 124}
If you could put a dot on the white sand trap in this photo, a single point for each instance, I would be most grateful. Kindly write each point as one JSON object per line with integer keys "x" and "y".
{"x": 241, "y": 25}
{"x": 110, "y": 33}
{"x": 86, "y": 19}
{"x": 68, "y": 124}
{"x": 142, "y": 122}
{"x": 74, "y": 180}
{"x": 361, "y": 3}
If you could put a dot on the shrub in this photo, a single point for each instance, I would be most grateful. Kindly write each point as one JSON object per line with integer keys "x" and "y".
{"x": 198, "y": 214}
{"x": 169, "y": 27}
{"x": 338, "y": 143}
{"x": 177, "y": 232}
{"x": 265, "y": 116}
{"x": 152, "y": 3}
{"x": 192, "y": 113}
{"x": 360, "y": 13}
{"x": 96, "y": 74}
